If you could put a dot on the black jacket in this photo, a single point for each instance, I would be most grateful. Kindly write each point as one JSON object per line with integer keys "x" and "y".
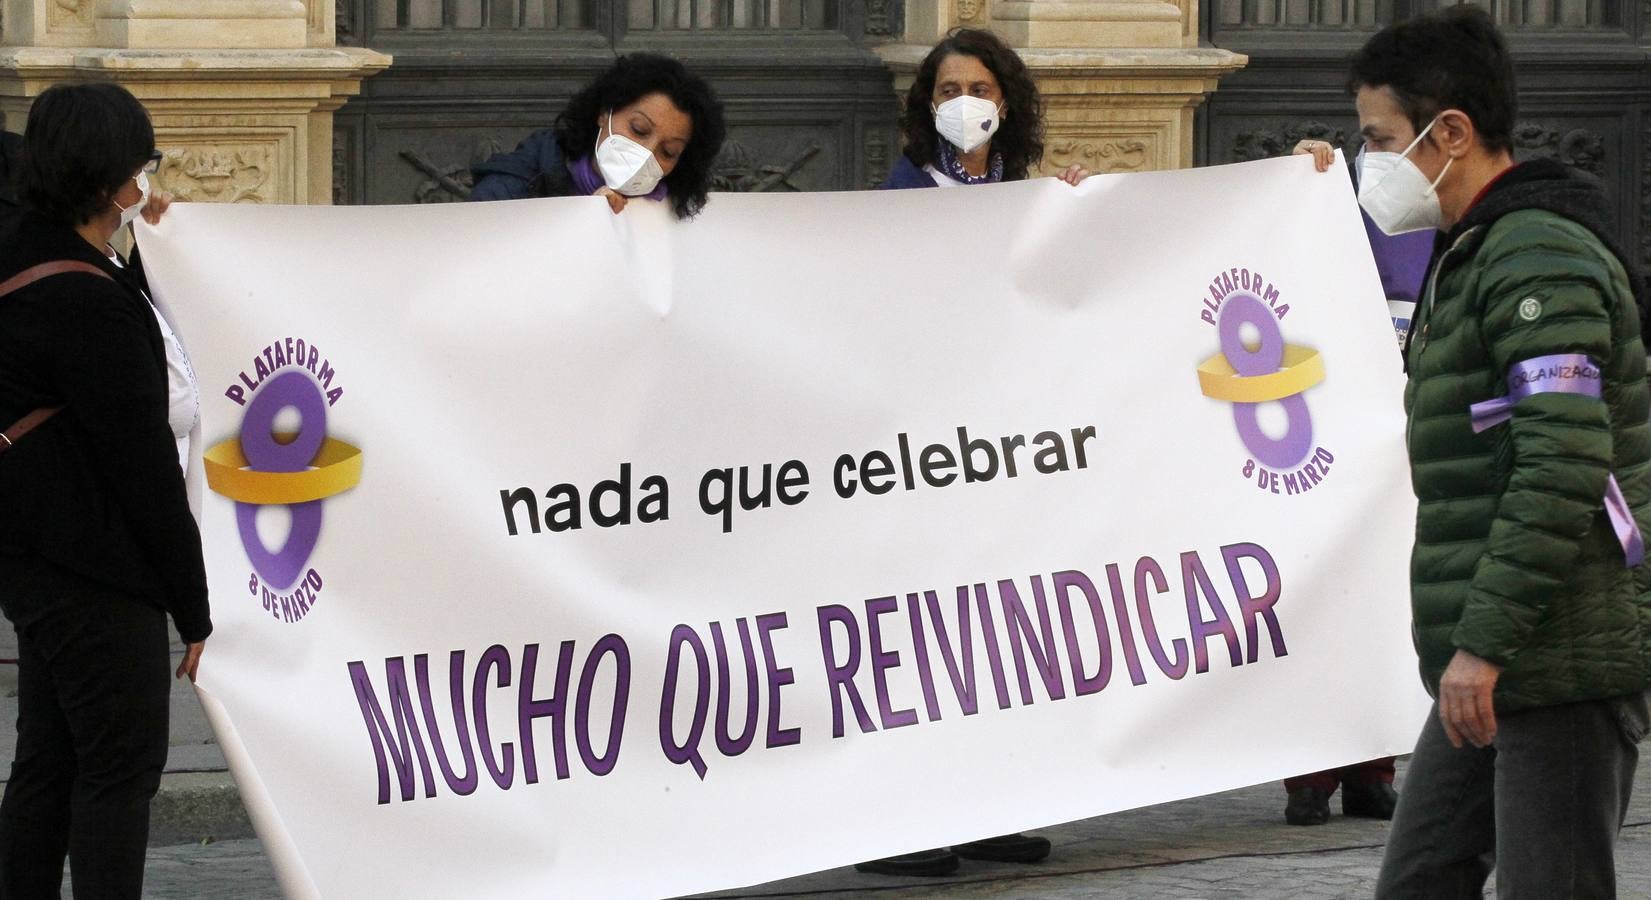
{"x": 97, "y": 488}
{"x": 10, "y": 146}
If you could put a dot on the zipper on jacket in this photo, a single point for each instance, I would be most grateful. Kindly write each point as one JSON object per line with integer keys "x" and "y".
{"x": 1425, "y": 320}
{"x": 1432, "y": 290}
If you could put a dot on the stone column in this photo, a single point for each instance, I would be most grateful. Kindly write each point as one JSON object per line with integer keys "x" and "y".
{"x": 1120, "y": 78}
{"x": 242, "y": 92}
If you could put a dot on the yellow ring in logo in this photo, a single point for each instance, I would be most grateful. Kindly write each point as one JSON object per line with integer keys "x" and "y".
{"x": 337, "y": 469}
{"x": 1303, "y": 367}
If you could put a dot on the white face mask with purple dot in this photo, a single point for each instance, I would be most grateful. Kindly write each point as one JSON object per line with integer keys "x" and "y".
{"x": 967, "y": 122}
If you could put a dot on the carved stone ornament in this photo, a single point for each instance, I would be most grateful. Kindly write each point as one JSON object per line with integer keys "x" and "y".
{"x": 877, "y": 17}
{"x": 344, "y": 22}
{"x": 1645, "y": 197}
{"x": 340, "y": 169}
{"x": 1578, "y": 147}
{"x": 219, "y": 174}
{"x": 738, "y": 169}
{"x": 74, "y": 13}
{"x": 1096, "y": 155}
{"x": 969, "y": 10}
{"x": 445, "y": 184}
{"x": 1265, "y": 143}
{"x": 877, "y": 157}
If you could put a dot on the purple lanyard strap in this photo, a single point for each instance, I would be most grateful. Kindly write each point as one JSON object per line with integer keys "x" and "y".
{"x": 1563, "y": 373}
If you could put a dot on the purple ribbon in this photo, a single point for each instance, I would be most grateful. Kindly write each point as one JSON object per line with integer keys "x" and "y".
{"x": 1564, "y": 373}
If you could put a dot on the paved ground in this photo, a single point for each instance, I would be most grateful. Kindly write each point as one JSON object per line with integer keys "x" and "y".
{"x": 1231, "y": 845}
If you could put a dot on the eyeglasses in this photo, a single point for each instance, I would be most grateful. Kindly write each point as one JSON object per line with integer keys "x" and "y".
{"x": 154, "y": 163}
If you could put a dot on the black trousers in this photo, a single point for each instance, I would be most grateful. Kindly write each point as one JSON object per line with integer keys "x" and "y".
{"x": 93, "y": 667}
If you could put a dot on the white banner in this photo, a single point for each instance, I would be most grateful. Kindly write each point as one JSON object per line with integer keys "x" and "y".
{"x": 821, "y": 528}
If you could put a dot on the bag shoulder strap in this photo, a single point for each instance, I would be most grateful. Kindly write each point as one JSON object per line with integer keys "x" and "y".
{"x": 21, "y": 280}
{"x": 46, "y": 270}
{"x": 25, "y": 425}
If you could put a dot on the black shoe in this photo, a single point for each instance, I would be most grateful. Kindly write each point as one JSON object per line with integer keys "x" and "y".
{"x": 938, "y": 861}
{"x": 1307, "y": 806}
{"x": 1019, "y": 848}
{"x": 1369, "y": 801}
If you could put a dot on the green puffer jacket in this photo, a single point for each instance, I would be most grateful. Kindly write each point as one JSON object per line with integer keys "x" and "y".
{"x": 1515, "y": 560}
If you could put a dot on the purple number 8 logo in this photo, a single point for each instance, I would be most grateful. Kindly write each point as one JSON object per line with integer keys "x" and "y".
{"x": 266, "y": 454}
{"x": 1267, "y": 370}
{"x": 263, "y": 467}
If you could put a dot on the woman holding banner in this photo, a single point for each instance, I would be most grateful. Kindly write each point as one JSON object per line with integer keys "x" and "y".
{"x": 647, "y": 128}
{"x": 972, "y": 116}
{"x": 97, "y": 542}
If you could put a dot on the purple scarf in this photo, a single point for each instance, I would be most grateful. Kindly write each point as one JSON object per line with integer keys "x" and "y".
{"x": 947, "y": 162}
{"x": 586, "y": 179}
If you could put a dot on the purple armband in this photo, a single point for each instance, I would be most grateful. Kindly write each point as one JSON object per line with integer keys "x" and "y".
{"x": 1563, "y": 373}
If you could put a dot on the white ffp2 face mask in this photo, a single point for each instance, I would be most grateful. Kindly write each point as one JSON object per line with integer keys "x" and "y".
{"x": 627, "y": 167}
{"x": 1395, "y": 193}
{"x": 129, "y": 213}
{"x": 966, "y": 122}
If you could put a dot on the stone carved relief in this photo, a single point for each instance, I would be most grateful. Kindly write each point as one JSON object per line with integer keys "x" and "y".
{"x": 877, "y": 158}
{"x": 344, "y": 23}
{"x": 738, "y": 169}
{"x": 71, "y": 13}
{"x": 1101, "y": 155}
{"x": 445, "y": 184}
{"x": 1645, "y": 195}
{"x": 1265, "y": 143}
{"x": 340, "y": 169}
{"x": 877, "y": 17}
{"x": 969, "y": 10}
{"x": 220, "y": 174}
{"x": 1578, "y": 147}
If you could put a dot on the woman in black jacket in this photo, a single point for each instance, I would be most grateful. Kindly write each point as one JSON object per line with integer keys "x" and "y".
{"x": 97, "y": 543}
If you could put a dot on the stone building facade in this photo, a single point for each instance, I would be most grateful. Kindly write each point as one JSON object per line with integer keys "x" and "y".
{"x": 388, "y": 101}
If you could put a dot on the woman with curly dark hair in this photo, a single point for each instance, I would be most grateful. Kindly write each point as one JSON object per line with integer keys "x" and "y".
{"x": 647, "y": 127}
{"x": 972, "y": 116}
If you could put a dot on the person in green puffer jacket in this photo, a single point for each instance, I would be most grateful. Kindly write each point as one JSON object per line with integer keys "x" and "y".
{"x": 1530, "y": 446}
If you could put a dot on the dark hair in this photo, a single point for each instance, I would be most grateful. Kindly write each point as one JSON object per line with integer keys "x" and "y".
{"x": 1020, "y": 136}
{"x": 82, "y": 143}
{"x": 1455, "y": 59}
{"x": 629, "y": 79}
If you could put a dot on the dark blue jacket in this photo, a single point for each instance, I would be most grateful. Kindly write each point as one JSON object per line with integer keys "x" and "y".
{"x": 907, "y": 174}
{"x": 535, "y": 168}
